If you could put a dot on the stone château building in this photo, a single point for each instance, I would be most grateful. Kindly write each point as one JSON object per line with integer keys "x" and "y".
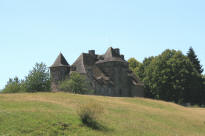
{"x": 108, "y": 74}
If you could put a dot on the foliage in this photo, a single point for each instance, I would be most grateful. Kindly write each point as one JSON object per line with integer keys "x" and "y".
{"x": 90, "y": 113}
{"x": 38, "y": 79}
{"x": 76, "y": 84}
{"x": 203, "y": 90}
{"x": 193, "y": 58}
{"x": 14, "y": 86}
{"x": 135, "y": 65}
{"x": 172, "y": 77}
{"x": 143, "y": 66}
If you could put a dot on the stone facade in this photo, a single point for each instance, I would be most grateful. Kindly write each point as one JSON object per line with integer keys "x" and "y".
{"x": 108, "y": 74}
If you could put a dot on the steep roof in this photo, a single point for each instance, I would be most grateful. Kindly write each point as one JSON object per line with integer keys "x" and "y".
{"x": 60, "y": 61}
{"x": 79, "y": 64}
{"x": 111, "y": 55}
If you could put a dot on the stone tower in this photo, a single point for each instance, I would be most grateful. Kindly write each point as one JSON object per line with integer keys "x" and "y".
{"x": 59, "y": 71}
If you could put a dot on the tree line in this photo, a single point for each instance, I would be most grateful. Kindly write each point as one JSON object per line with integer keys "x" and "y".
{"x": 172, "y": 76}
{"x": 39, "y": 80}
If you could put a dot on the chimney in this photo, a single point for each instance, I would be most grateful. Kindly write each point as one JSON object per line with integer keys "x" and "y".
{"x": 117, "y": 51}
{"x": 122, "y": 57}
{"x": 92, "y": 52}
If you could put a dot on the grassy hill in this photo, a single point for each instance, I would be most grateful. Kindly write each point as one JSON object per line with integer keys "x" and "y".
{"x": 54, "y": 114}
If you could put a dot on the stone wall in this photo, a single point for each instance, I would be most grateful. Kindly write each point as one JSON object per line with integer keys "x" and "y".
{"x": 59, "y": 73}
{"x": 115, "y": 81}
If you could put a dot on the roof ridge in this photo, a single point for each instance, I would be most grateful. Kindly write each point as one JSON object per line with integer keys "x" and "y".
{"x": 60, "y": 61}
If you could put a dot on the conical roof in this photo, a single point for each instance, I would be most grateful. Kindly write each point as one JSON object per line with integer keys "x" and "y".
{"x": 60, "y": 61}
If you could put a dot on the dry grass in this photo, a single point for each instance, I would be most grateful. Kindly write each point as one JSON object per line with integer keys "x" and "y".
{"x": 124, "y": 116}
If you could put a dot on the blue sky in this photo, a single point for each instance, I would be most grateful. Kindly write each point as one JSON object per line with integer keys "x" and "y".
{"x": 37, "y": 30}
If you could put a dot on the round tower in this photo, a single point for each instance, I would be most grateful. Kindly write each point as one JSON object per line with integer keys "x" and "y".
{"x": 59, "y": 71}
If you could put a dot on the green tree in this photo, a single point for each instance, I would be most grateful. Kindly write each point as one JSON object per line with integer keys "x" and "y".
{"x": 38, "y": 79}
{"x": 194, "y": 59}
{"x": 134, "y": 65}
{"x": 143, "y": 66}
{"x": 14, "y": 86}
{"x": 203, "y": 90}
{"x": 142, "y": 74}
{"x": 76, "y": 83}
{"x": 172, "y": 77}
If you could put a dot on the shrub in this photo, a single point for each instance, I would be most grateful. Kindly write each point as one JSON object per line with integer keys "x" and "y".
{"x": 76, "y": 84}
{"x": 89, "y": 114}
{"x": 14, "y": 86}
{"x": 38, "y": 79}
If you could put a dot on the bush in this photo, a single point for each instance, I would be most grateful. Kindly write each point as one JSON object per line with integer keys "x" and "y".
{"x": 76, "y": 84}
{"x": 14, "y": 86}
{"x": 38, "y": 79}
{"x": 89, "y": 114}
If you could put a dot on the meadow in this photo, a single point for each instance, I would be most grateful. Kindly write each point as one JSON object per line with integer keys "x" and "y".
{"x": 55, "y": 114}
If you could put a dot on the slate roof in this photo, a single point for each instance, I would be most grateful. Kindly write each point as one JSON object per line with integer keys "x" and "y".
{"x": 111, "y": 55}
{"x": 79, "y": 64}
{"x": 60, "y": 61}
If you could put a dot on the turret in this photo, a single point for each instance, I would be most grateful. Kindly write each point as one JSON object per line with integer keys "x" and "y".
{"x": 60, "y": 69}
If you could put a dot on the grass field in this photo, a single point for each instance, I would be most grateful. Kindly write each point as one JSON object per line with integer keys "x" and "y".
{"x": 54, "y": 114}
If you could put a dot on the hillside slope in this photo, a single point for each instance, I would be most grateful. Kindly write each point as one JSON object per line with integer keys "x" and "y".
{"x": 54, "y": 114}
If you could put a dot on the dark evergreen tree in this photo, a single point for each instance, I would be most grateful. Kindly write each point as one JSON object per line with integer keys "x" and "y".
{"x": 203, "y": 90}
{"x": 195, "y": 61}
